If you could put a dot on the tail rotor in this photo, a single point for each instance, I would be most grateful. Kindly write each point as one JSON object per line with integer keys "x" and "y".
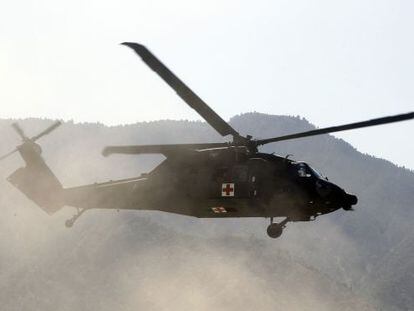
{"x": 26, "y": 139}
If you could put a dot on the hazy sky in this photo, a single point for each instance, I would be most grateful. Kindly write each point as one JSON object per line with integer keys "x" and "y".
{"x": 331, "y": 62}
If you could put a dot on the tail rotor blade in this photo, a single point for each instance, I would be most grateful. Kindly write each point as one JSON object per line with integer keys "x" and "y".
{"x": 8, "y": 154}
{"x": 19, "y": 131}
{"x": 26, "y": 140}
{"x": 46, "y": 131}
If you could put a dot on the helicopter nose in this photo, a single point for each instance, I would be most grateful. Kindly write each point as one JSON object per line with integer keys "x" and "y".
{"x": 323, "y": 188}
{"x": 334, "y": 193}
{"x": 351, "y": 199}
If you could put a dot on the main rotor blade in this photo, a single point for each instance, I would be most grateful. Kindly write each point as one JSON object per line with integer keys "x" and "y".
{"x": 161, "y": 149}
{"x": 332, "y": 129}
{"x": 19, "y": 131}
{"x": 183, "y": 91}
{"x": 46, "y": 131}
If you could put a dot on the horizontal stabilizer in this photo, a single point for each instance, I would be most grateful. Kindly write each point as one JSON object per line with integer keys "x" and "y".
{"x": 159, "y": 149}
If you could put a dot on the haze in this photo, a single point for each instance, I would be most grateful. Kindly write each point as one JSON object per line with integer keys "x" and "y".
{"x": 330, "y": 62}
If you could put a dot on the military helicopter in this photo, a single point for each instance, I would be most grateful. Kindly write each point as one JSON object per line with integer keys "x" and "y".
{"x": 211, "y": 180}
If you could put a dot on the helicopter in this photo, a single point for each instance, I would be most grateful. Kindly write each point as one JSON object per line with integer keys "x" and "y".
{"x": 204, "y": 180}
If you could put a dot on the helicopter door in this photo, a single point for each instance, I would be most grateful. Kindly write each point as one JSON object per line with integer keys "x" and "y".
{"x": 240, "y": 178}
{"x": 259, "y": 175}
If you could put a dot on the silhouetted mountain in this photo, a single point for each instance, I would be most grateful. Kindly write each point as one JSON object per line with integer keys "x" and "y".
{"x": 153, "y": 260}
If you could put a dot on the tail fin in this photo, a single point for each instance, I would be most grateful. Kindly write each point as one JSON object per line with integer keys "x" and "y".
{"x": 36, "y": 180}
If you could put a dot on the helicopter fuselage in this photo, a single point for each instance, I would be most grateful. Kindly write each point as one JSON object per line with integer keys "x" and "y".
{"x": 205, "y": 180}
{"x": 228, "y": 182}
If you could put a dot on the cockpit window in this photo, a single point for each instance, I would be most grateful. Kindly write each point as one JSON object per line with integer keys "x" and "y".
{"x": 316, "y": 173}
{"x": 303, "y": 170}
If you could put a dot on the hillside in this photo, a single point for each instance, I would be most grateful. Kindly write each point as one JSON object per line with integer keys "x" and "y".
{"x": 152, "y": 260}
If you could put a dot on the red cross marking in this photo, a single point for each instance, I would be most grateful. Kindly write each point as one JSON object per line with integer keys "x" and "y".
{"x": 228, "y": 189}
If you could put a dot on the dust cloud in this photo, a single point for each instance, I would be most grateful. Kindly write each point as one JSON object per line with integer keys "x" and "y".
{"x": 122, "y": 261}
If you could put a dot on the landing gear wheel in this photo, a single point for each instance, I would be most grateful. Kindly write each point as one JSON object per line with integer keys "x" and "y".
{"x": 274, "y": 230}
{"x": 70, "y": 222}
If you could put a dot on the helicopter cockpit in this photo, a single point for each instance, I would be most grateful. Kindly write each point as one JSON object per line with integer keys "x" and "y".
{"x": 305, "y": 170}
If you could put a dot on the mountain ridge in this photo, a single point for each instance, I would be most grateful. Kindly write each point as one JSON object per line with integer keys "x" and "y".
{"x": 351, "y": 248}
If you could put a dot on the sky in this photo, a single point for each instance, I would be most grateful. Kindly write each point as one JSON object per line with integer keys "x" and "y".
{"x": 331, "y": 62}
